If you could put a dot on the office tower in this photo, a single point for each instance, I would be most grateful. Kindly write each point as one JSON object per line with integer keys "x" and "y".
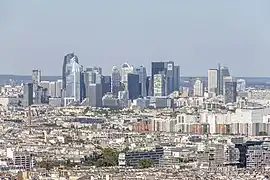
{"x": 141, "y": 71}
{"x": 157, "y": 68}
{"x": 241, "y": 85}
{"x": 73, "y": 79}
{"x": 169, "y": 78}
{"x": 58, "y": 88}
{"x": 223, "y": 72}
{"x": 226, "y": 79}
{"x": 176, "y": 78}
{"x": 36, "y": 77}
{"x": 106, "y": 84}
{"x": 230, "y": 92}
{"x": 133, "y": 86}
{"x": 94, "y": 69}
{"x": 45, "y": 84}
{"x": 148, "y": 86}
{"x": 115, "y": 81}
{"x": 44, "y": 96}
{"x": 159, "y": 85}
{"x": 52, "y": 89}
{"x": 68, "y": 60}
{"x": 28, "y": 94}
{"x": 213, "y": 80}
{"x": 198, "y": 88}
{"x": 125, "y": 70}
{"x": 95, "y": 95}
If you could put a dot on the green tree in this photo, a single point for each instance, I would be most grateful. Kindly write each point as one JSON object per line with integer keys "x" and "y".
{"x": 109, "y": 157}
{"x": 146, "y": 163}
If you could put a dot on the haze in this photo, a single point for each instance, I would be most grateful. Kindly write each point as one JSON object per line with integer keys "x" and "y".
{"x": 195, "y": 34}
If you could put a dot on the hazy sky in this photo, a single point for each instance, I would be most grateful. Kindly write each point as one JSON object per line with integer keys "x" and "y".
{"x": 196, "y": 35}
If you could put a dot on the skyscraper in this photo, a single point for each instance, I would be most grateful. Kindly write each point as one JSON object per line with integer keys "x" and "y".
{"x": 169, "y": 75}
{"x": 157, "y": 68}
{"x": 230, "y": 92}
{"x": 133, "y": 86}
{"x": 73, "y": 79}
{"x": 176, "y": 78}
{"x": 141, "y": 71}
{"x": 159, "y": 85}
{"x": 241, "y": 85}
{"x": 28, "y": 94}
{"x": 125, "y": 70}
{"x": 223, "y": 72}
{"x": 95, "y": 95}
{"x": 36, "y": 77}
{"x": 106, "y": 84}
{"x": 225, "y": 80}
{"x": 213, "y": 82}
{"x": 68, "y": 59}
{"x": 115, "y": 81}
{"x": 198, "y": 88}
{"x": 52, "y": 89}
{"x": 58, "y": 88}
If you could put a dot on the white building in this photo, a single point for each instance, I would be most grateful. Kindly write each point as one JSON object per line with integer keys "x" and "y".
{"x": 198, "y": 88}
{"x": 212, "y": 80}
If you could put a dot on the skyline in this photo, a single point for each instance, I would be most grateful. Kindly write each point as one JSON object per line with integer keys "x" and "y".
{"x": 113, "y": 33}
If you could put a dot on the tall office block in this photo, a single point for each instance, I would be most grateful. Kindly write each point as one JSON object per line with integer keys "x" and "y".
{"x": 159, "y": 85}
{"x": 241, "y": 85}
{"x": 106, "y": 84}
{"x": 36, "y": 77}
{"x": 94, "y": 69}
{"x": 230, "y": 92}
{"x": 148, "y": 86}
{"x": 133, "y": 86}
{"x": 125, "y": 70}
{"x": 45, "y": 84}
{"x": 68, "y": 60}
{"x": 73, "y": 79}
{"x": 176, "y": 78}
{"x": 115, "y": 81}
{"x": 225, "y": 80}
{"x": 95, "y": 95}
{"x": 223, "y": 72}
{"x": 58, "y": 88}
{"x": 141, "y": 71}
{"x": 28, "y": 94}
{"x": 157, "y": 68}
{"x": 213, "y": 81}
{"x": 169, "y": 77}
{"x": 198, "y": 88}
{"x": 52, "y": 89}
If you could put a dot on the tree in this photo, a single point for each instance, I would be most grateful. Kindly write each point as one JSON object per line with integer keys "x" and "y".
{"x": 145, "y": 163}
{"x": 109, "y": 157}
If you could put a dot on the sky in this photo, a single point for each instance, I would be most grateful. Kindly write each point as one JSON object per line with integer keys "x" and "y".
{"x": 195, "y": 34}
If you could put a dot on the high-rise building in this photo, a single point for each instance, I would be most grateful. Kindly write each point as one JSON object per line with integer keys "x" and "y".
{"x": 241, "y": 85}
{"x": 58, "y": 88}
{"x": 52, "y": 89}
{"x": 223, "y": 72}
{"x": 230, "y": 92}
{"x": 94, "y": 69}
{"x": 198, "y": 88}
{"x": 73, "y": 80}
{"x": 213, "y": 81}
{"x": 36, "y": 77}
{"x": 133, "y": 86}
{"x": 125, "y": 70}
{"x": 115, "y": 81}
{"x": 169, "y": 77}
{"x": 28, "y": 94}
{"x": 176, "y": 78}
{"x": 148, "y": 86}
{"x": 225, "y": 80}
{"x": 68, "y": 59}
{"x": 157, "y": 68}
{"x": 106, "y": 84}
{"x": 95, "y": 95}
{"x": 141, "y": 71}
{"x": 159, "y": 85}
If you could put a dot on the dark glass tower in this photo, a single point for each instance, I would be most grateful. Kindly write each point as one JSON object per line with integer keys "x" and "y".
{"x": 133, "y": 86}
